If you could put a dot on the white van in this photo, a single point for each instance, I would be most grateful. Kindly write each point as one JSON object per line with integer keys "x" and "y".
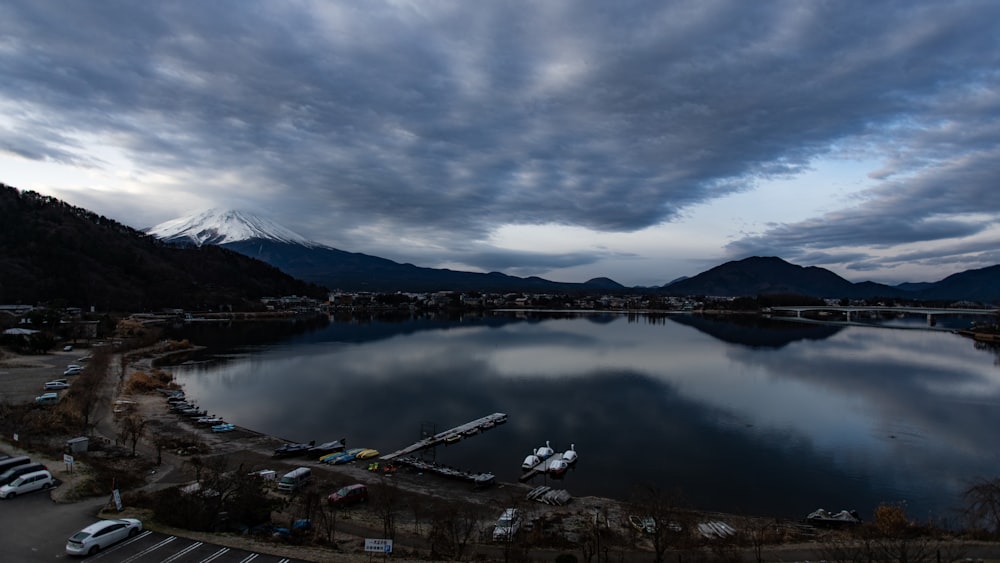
{"x": 47, "y": 399}
{"x": 27, "y": 483}
{"x": 294, "y": 479}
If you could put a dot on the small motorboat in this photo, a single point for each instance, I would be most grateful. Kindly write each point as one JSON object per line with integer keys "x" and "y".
{"x": 483, "y": 480}
{"x": 825, "y": 517}
{"x": 224, "y": 427}
{"x": 328, "y": 447}
{"x": 570, "y": 455}
{"x": 452, "y": 438}
{"x": 292, "y": 449}
{"x": 210, "y": 420}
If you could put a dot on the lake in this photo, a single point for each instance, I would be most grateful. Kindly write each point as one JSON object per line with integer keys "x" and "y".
{"x": 743, "y": 414}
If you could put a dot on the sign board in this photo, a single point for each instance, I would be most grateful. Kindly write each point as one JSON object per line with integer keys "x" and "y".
{"x": 118, "y": 499}
{"x": 377, "y": 545}
{"x": 68, "y": 460}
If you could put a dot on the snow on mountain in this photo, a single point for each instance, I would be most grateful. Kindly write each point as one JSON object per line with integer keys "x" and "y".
{"x": 219, "y": 226}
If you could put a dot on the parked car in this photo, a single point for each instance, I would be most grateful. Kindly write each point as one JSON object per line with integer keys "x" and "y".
{"x": 295, "y": 479}
{"x": 507, "y": 525}
{"x": 47, "y": 399}
{"x": 8, "y": 476}
{"x": 27, "y": 483}
{"x": 67, "y": 348}
{"x": 8, "y": 462}
{"x": 55, "y": 385}
{"x": 102, "y": 534}
{"x": 351, "y": 494}
{"x": 73, "y": 370}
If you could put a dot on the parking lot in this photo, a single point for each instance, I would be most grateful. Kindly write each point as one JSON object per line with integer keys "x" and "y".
{"x": 35, "y": 529}
{"x": 151, "y": 546}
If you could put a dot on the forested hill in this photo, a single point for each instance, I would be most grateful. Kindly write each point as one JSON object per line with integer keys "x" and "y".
{"x": 53, "y": 252}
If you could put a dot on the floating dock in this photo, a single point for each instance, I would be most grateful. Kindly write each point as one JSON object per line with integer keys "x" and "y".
{"x": 478, "y": 479}
{"x": 451, "y": 436}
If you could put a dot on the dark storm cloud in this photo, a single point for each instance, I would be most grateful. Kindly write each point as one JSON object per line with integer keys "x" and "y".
{"x": 449, "y": 119}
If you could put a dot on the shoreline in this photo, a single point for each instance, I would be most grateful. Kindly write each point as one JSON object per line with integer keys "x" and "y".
{"x": 252, "y": 451}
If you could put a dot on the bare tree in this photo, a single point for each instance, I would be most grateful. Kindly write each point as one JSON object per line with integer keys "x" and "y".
{"x": 386, "y": 501}
{"x": 131, "y": 429}
{"x": 890, "y": 537}
{"x": 982, "y": 507}
{"x": 453, "y": 526}
{"x": 667, "y": 516}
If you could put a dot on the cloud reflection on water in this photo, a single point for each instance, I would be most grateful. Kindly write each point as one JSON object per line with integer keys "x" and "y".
{"x": 841, "y": 418}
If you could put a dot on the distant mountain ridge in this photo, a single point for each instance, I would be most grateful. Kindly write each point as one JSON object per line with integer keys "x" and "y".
{"x": 307, "y": 260}
{"x": 771, "y": 275}
{"x": 267, "y": 241}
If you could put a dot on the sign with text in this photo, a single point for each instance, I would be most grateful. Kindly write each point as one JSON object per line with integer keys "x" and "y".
{"x": 377, "y": 545}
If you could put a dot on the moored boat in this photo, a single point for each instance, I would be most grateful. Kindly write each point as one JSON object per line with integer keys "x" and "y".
{"x": 530, "y": 462}
{"x": 825, "y": 517}
{"x": 292, "y": 449}
{"x": 558, "y": 466}
{"x": 328, "y": 447}
{"x": 545, "y": 452}
{"x": 570, "y": 455}
{"x": 345, "y": 456}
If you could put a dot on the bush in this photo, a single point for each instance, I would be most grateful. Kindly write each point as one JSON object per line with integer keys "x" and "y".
{"x": 142, "y": 382}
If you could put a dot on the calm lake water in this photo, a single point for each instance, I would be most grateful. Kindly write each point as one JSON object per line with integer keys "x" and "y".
{"x": 749, "y": 415}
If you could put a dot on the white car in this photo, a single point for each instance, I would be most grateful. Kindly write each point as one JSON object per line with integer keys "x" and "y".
{"x": 73, "y": 370}
{"x": 507, "y": 525}
{"x": 35, "y": 481}
{"x": 56, "y": 385}
{"x": 102, "y": 534}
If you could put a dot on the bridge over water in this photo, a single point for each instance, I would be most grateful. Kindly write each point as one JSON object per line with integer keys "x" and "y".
{"x": 822, "y": 313}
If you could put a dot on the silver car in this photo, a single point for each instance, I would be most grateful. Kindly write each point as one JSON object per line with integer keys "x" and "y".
{"x": 102, "y": 534}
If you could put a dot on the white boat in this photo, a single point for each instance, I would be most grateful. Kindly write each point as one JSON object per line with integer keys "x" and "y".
{"x": 570, "y": 454}
{"x": 530, "y": 462}
{"x": 545, "y": 452}
{"x": 558, "y": 466}
{"x": 822, "y": 516}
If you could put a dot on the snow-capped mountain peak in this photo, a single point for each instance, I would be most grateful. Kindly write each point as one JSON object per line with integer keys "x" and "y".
{"x": 219, "y": 226}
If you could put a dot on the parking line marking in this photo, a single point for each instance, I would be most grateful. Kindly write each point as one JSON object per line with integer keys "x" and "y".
{"x": 182, "y": 552}
{"x": 116, "y": 547}
{"x": 149, "y": 549}
{"x": 250, "y": 558}
{"x": 215, "y": 555}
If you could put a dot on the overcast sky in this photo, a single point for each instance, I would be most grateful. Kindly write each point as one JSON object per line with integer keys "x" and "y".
{"x": 636, "y": 140}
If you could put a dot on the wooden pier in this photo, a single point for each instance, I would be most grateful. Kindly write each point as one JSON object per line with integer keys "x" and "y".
{"x": 452, "y": 435}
